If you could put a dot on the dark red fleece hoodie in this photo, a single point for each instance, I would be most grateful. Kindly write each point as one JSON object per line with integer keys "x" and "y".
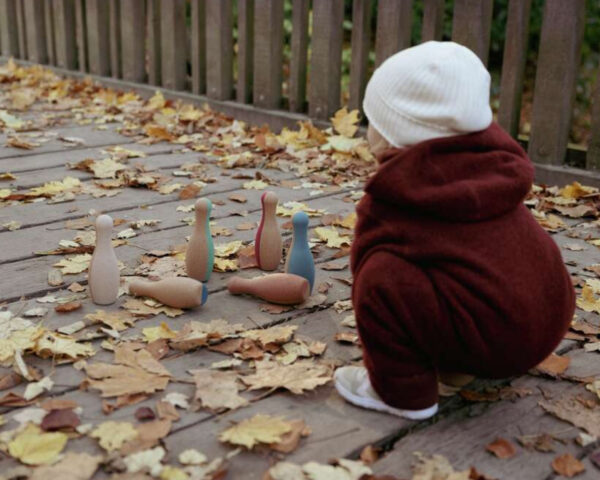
{"x": 452, "y": 272}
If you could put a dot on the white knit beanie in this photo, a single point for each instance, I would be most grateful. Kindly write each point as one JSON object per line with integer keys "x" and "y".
{"x": 435, "y": 89}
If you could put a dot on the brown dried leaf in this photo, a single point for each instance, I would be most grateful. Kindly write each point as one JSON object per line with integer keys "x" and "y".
{"x": 59, "y": 419}
{"x": 570, "y": 410}
{"x": 567, "y": 465}
{"x": 217, "y": 389}
{"x": 554, "y": 365}
{"x": 67, "y": 307}
{"x": 189, "y": 191}
{"x": 290, "y": 441}
{"x": 502, "y": 448}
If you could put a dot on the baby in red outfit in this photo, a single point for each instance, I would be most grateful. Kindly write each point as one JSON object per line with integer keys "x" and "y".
{"x": 451, "y": 271}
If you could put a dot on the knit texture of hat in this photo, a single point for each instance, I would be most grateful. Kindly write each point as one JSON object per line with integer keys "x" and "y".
{"x": 432, "y": 90}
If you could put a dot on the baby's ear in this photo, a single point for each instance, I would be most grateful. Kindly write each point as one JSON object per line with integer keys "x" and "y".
{"x": 377, "y": 143}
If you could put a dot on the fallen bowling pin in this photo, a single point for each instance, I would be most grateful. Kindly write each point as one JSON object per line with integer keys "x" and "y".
{"x": 300, "y": 260}
{"x": 282, "y": 288}
{"x": 178, "y": 292}
{"x": 267, "y": 245}
{"x": 200, "y": 253}
{"x": 103, "y": 272}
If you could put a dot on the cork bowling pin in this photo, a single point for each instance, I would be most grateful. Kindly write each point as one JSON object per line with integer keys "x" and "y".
{"x": 282, "y": 288}
{"x": 103, "y": 272}
{"x": 200, "y": 253}
{"x": 178, "y": 292}
{"x": 268, "y": 245}
{"x": 300, "y": 260}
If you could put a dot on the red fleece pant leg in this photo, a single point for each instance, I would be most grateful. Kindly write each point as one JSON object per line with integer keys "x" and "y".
{"x": 392, "y": 297}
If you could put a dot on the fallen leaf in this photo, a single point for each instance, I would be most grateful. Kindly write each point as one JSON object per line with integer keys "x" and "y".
{"x": 73, "y": 466}
{"x": 567, "y": 465}
{"x": 345, "y": 123}
{"x": 298, "y": 377}
{"x": 258, "y": 429}
{"x": 570, "y": 410}
{"x": 67, "y": 307}
{"x": 554, "y": 365}
{"x": 75, "y": 264}
{"x": 59, "y": 419}
{"x": 217, "y": 389}
{"x": 502, "y": 448}
{"x": 290, "y": 440}
{"x": 112, "y": 435}
{"x": 34, "y": 447}
{"x": 189, "y": 191}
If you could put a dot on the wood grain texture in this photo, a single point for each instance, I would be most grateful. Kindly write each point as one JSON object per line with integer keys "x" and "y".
{"x": 173, "y": 44}
{"x": 555, "y": 81}
{"x": 299, "y": 55}
{"x": 35, "y": 29}
{"x": 98, "y": 36}
{"x": 64, "y": 33}
{"x": 268, "y": 53}
{"x": 361, "y": 44}
{"x": 198, "y": 46}
{"x": 593, "y": 152}
{"x": 513, "y": 65}
{"x": 245, "y": 50}
{"x": 114, "y": 29}
{"x": 219, "y": 49}
{"x": 9, "y": 31}
{"x": 472, "y": 24}
{"x": 153, "y": 41}
{"x": 133, "y": 40}
{"x": 326, "y": 58}
{"x": 433, "y": 20}
{"x": 22, "y": 28}
{"x": 49, "y": 28}
{"x": 81, "y": 35}
{"x": 394, "y": 23}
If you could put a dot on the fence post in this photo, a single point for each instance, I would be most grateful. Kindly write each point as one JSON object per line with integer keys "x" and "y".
{"x": 81, "y": 33}
{"x": 219, "y": 49}
{"x": 361, "y": 42}
{"x": 173, "y": 44}
{"x": 513, "y": 65}
{"x": 153, "y": 32}
{"x": 198, "y": 50}
{"x": 433, "y": 20}
{"x": 394, "y": 22}
{"x": 299, "y": 60}
{"x": 326, "y": 58}
{"x": 98, "y": 37}
{"x": 114, "y": 28}
{"x": 35, "y": 30}
{"x": 268, "y": 53}
{"x": 22, "y": 29}
{"x": 49, "y": 28}
{"x": 133, "y": 40}
{"x": 472, "y": 25}
{"x": 592, "y": 160}
{"x": 64, "y": 33}
{"x": 8, "y": 28}
{"x": 245, "y": 50}
{"x": 555, "y": 80}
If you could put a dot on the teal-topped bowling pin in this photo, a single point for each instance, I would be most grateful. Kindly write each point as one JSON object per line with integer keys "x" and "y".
{"x": 200, "y": 253}
{"x": 300, "y": 260}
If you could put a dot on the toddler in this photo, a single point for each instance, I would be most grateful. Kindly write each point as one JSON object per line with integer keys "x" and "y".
{"x": 451, "y": 271}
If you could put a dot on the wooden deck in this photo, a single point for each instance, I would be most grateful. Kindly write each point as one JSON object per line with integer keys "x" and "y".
{"x": 461, "y": 431}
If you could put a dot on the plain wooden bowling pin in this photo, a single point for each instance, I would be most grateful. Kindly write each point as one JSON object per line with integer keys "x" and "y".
{"x": 282, "y": 288}
{"x": 268, "y": 245}
{"x": 103, "y": 272}
{"x": 300, "y": 260}
{"x": 178, "y": 292}
{"x": 200, "y": 253}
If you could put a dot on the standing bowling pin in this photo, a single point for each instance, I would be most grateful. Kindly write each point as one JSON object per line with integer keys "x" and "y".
{"x": 300, "y": 260}
{"x": 103, "y": 272}
{"x": 200, "y": 253}
{"x": 178, "y": 292}
{"x": 282, "y": 288}
{"x": 268, "y": 245}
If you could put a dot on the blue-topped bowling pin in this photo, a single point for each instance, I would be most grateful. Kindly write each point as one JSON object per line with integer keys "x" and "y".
{"x": 200, "y": 253}
{"x": 300, "y": 260}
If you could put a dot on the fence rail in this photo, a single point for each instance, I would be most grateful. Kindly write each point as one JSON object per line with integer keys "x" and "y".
{"x": 189, "y": 46}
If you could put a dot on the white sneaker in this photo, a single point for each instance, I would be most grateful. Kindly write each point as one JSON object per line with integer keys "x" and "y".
{"x": 354, "y": 385}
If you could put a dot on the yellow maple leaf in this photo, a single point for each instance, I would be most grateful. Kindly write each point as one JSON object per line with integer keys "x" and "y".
{"x": 155, "y": 333}
{"x": 226, "y": 265}
{"x": 169, "y": 188}
{"x": 75, "y": 264}
{"x": 224, "y": 250}
{"x": 106, "y": 168}
{"x": 255, "y": 185}
{"x": 258, "y": 429}
{"x": 157, "y": 101}
{"x": 34, "y": 447}
{"x": 576, "y": 190}
{"x": 112, "y": 435}
{"x": 118, "y": 321}
{"x": 588, "y": 302}
{"x": 52, "y": 344}
{"x": 277, "y": 334}
{"x": 332, "y": 237}
{"x": 345, "y": 123}
{"x": 288, "y": 209}
{"x": 55, "y": 187}
{"x": 159, "y": 132}
{"x": 143, "y": 308}
{"x": 10, "y": 121}
{"x": 5, "y": 192}
{"x": 297, "y": 377}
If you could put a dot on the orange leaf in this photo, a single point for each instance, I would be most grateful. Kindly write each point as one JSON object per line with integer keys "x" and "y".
{"x": 502, "y": 448}
{"x": 567, "y": 465}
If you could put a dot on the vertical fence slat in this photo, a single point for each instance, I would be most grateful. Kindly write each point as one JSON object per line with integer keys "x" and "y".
{"x": 173, "y": 44}
{"x": 35, "y": 30}
{"x": 555, "y": 80}
{"x": 81, "y": 34}
{"x": 326, "y": 58}
{"x": 49, "y": 24}
{"x": 198, "y": 50}
{"x": 268, "y": 53}
{"x": 361, "y": 35}
{"x": 98, "y": 36}
{"x": 592, "y": 158}
{"x": 133, "y": 40}
{"x": 472, "y": 25}
{"x": 245, "y": 50}
{"x": 153, "y": 34}
{"x": 513, "y": 65}
{"x": 22, "y": 29}
{"x": 219, "y": 49}
{"x": 299, "y": 55}
{"x": 9, "y": 28}
{"x": 64, "y": 33}
{"x": 433, "y": 20}
{"x": 394, "y": 22}
{"x": 114, "y": 28}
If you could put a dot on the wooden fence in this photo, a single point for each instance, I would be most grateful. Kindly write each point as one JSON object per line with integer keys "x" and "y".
{"x": 189, "y": 46}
